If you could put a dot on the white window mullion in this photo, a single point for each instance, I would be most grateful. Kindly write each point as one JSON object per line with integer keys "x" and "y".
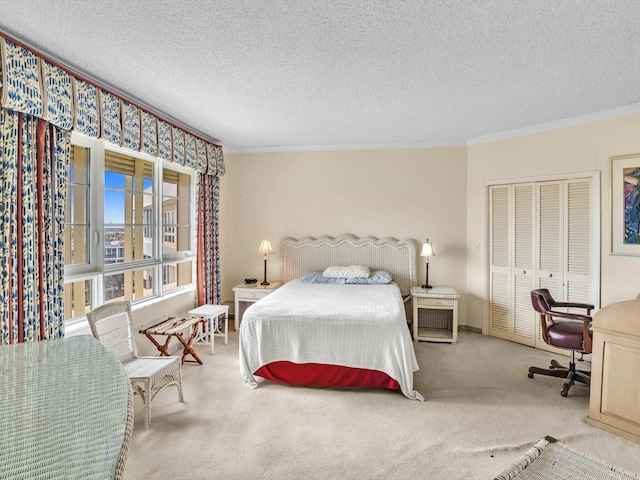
{"x": 157, "y": 215}
{"x": 97, "y": 206}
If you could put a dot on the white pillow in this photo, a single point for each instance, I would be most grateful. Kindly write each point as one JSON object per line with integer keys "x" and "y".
{"x": 352, "y": 271}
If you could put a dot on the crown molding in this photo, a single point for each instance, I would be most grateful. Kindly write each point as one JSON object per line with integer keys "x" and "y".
{"x": 567, "y": 122}
{"x": 357, "y": 146}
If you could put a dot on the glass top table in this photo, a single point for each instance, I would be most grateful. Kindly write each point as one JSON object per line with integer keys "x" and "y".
{"x": 67, "y": 410}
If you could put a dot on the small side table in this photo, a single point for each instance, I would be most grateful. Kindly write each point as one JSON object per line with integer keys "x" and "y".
{"x": 248, "y": 294}
{"x": 435, "y": 314}
{"x": 211, "y": 314}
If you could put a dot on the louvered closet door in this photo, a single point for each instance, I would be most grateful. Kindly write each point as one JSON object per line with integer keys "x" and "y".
{"x": 579, "y": 237}
{"x": 523, "y": 272}
{"x": 550, "y": 246}
{"x": 500, "y": 297}
{"x": 512, "y": 240}
{"x": 565, "y": 232}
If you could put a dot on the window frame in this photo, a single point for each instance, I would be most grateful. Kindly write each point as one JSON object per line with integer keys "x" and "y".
{"x": 96, "y": 269}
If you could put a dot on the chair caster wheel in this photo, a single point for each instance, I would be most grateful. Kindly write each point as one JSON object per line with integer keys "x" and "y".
{"x": 564, "y": 394}
{"x": 530, "y": 375}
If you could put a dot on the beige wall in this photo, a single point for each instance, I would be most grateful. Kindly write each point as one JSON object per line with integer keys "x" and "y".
{"x": 569, "y": 150}
{"x": 402, "y": 193}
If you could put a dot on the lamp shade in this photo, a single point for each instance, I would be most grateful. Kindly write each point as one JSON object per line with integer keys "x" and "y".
{"x": 427, "y": 249}
{"x": 265, "y": 247}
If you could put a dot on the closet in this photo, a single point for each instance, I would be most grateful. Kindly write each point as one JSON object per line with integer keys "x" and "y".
{"x": 542, "y": 234}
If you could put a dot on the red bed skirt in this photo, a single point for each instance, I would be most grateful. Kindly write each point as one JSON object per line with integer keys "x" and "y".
{"x": 321, "y": 375}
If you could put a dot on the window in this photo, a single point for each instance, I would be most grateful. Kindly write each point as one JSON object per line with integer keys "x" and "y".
{"x": 176, "y": 275}
{"x": 176, "y": 212}
{"x": 148, "y": 221}
{"x": 76, "y": 230}
{"x": 169, "y": 229}
{"x": 117, "y": 248}
{"x": 128, "y": 193}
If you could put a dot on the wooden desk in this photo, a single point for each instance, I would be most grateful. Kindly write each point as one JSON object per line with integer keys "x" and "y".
{"x": 173, "y": 327}
{"x": 67, "y": 410}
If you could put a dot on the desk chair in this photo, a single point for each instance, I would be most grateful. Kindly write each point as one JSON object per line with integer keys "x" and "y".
{"x": 111, "y": 325}
{"x": 569, "y": 331}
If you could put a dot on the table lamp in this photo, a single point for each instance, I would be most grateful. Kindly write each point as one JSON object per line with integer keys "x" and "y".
{"x": 427, "y": 251}
{"x": 265, "y": 248}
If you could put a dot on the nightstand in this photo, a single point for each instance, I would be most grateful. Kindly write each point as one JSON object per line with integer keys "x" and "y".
{"x": 245, "y": 295}
{"x": 435, "y": 314}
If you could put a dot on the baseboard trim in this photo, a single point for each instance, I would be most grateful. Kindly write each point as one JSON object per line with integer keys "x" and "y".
{"x": 469, "y": 328}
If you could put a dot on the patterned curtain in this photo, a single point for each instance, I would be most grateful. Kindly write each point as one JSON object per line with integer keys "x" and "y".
{"x": 34, "y": 158}
{"x": 208, "y": 268}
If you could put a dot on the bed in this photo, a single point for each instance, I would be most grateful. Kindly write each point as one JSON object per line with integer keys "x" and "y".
{"x": 334, "y": 335}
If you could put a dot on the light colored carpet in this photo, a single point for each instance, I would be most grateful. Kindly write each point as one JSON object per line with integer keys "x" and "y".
{"x": 481, "y": 413}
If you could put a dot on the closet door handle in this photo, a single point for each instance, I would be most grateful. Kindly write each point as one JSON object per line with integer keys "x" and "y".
{"x": 550, "y": 275}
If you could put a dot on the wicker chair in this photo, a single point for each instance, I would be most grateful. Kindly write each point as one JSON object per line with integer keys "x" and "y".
{"x": 111, "y": 325}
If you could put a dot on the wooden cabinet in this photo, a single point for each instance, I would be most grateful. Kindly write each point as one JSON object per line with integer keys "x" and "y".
{"x": 615, "y": 373}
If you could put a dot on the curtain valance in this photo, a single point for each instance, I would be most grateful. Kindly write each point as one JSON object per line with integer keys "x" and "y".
{"x": 33, "y": 85}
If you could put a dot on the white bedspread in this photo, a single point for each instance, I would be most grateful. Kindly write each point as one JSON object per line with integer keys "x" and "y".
{"x": 358, "y": 326}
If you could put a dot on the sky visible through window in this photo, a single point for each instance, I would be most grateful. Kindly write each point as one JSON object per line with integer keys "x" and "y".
{"x": 114, "y": 184}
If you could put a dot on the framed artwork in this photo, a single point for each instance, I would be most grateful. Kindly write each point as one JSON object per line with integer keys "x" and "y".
{"x": 625, "y": 205}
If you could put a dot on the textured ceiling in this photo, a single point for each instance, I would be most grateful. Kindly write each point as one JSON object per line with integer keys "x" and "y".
{"x": 259, "y": 74}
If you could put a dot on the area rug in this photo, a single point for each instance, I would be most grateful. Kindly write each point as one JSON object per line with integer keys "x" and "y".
{"x": 548, "y": 459}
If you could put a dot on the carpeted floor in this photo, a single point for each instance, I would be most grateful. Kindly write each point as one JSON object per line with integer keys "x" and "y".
{"x": 481, "y": 413}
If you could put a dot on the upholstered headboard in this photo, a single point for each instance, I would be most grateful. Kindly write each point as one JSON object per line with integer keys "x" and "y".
{"x": 397, "y": 257}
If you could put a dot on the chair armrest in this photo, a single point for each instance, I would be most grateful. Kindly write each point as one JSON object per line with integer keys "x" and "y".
{"x": 569, "y": 316}
{"x": 574, "y": 305}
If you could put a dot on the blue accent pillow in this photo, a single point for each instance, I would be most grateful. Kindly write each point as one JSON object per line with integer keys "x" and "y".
{"x": 379, "y": 277}
{"x": 318, "y": 277}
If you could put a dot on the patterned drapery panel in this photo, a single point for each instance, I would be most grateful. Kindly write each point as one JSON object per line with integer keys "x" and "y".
{"x": 149, "y": 133}
{"x": 212, "y": 167}
{"x": 85, "y": 114}
{"x": 178, "y": 145}
{"x": 130, "y": 126}
{"x": 201, "y": 151}
{"x": 190, "y": 155}
{"x": 21, "y": 79}
{"x": 208, "y": 267}
{"x": 34, "y": 163}
{"x": 219, "y": 160}
{"x": 165, "y": 141}
{"x": 110, "y": 123}
{"x": 58, "y": 98}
